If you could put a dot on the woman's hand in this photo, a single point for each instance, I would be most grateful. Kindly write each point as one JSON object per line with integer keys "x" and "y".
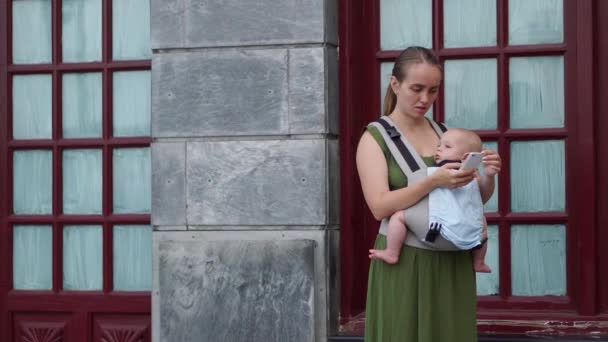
{"x": 449, "y": 176}
{"x": 491, "y": 162}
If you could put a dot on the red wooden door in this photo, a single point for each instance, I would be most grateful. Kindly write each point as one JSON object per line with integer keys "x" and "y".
{"x": 362, "y": 55}
{"x": 73, "y": 144}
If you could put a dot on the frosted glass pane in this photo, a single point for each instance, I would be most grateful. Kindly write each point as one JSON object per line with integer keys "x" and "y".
{"x": 82, "y": 182}
{"x": 81, "y": 30}
{"x": 537, "y": 176}
{"x": 133, "y": 258}
{"x": 469, "y": 23}
{"x": 132, "y": 180}
{"x": 131, "y": 29}
{"x": 492, "y": 204}
{"x": 32, "y": 106}
{"x": 386, "y": 69}
{"x": 405, "y": 23}
{"x": 536, "y": 22}
{"x": 82, "y": 258}
{"x": 82, "y": 105}
{"x": 538, "y": 260}
{"x": 32, "y": 258}
{"x": 487, "y": 283}
{"x": 32, "y": 182}
{"x": 471, "y": 93}
{"x": 536, "y": 86}
{"x": 131, "y": 96}
{"x": 31, "y": 31}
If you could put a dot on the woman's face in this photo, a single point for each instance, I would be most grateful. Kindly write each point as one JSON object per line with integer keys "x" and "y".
{"x": 417, "y": 92}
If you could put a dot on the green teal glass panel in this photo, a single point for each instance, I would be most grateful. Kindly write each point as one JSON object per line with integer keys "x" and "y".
{"x": 31, "y": 31}
{"x": 132, "y": 178}
{"x": 471, "y": 93}
{"x": 82, "y": 105}
{"x": 132, "y": 258}
{"x": 82, "y": 257}
{"x": 32, "y": 182}
{"x": 405, "y": 23}
{"x": 536, "y": 86}
{"x": 538, "y": 176}
{"x": 488, "y": 283}
{"x": 81, "y": 30}
{"x": 32, "y": 104}
{"x": 538, "y": 260}
{"x": 32, "y": 257}
{"x": 468, "y": 23}
{"x": 82, "y": 181}
{"x": 491, "y": 205}
{"x": 536, "y": 22}
{"x": 131, "y": 29}
{"x": 386, "y": 70}
{"x": 131, "y": 107}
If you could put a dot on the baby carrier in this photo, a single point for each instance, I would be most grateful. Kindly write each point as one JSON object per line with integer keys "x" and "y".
{"x": 422, "y": 235}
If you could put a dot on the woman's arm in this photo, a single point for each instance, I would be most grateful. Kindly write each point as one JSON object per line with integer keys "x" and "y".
{"x": 373, "y": 173}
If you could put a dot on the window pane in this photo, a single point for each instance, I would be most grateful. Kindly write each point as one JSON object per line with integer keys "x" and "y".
{"x": 132, "y": 180}
{"x": 82, "y": 105}
{"x": 491, "y": 205}
{"x": 487, "y": 283}
{"x": 536, "y": 86}
{"x": 32, "y": 106}
{"x": 536, "y": 22}
{"x": 81, "y": 30}
{"x": 32, "y": 258}
{"x": 405, "y": 23}
{"x": 31, "y": 31}
{"x": 82, "y": 181}
{"x": 386, "y": 70}
{"x": 537, "y": 176}
{"x": 82, "y": 258}
{"x": 32, "y": 182}
{"x": 469, "y": 23}
{"x": 538, "y": 260}
{"x": 131, "y": 29}
{"x": 132, "y": 258}
{"x": 471, "y": 93}
{"x": 131, "y": 96}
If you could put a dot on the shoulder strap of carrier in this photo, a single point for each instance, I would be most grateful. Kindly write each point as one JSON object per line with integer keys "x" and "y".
{"x": 404, "y": 153}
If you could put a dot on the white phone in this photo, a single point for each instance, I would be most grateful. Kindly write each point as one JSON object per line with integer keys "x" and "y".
{"x": 472, "y": 161}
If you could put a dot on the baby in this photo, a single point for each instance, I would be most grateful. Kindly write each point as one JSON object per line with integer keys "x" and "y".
{"x": 453, "y": 147}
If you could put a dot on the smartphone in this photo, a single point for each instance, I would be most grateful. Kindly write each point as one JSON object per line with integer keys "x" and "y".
{"x": 472, "y": 161}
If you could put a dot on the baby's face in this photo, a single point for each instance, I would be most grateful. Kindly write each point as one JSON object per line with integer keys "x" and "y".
{"x": 452, "y": 146}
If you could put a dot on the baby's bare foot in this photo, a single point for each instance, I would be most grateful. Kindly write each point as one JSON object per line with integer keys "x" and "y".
{"x": 482, "y": 268}
{"x": 386, "y": 255}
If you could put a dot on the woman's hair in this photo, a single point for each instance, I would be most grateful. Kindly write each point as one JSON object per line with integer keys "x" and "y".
{"x": 409, "y": 56}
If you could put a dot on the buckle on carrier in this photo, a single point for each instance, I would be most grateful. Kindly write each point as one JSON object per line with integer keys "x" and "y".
{"x": 392, "y": 132}
{"x": 433, "y": 232}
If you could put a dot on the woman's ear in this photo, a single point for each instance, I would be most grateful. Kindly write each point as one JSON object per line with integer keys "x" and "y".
{"x": 394, "y": 84}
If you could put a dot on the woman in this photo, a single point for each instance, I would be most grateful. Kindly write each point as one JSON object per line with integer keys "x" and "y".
{"x": 428, "y": 295}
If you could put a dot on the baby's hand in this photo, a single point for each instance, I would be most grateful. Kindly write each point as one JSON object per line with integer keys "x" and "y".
{"x": 491, "y": 162}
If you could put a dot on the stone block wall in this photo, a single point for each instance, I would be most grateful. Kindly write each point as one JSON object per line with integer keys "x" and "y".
{"x": 245, "y": 186}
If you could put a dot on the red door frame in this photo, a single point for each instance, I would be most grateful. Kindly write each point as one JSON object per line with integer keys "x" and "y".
{"x": 79, "y": 315}
{"x": 601, "y": 113}
{"x": 359, "y": 77}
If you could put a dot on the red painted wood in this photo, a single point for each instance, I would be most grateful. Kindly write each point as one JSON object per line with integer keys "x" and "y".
{"x": 601, "y": 84}
{"x": 4, "y": 231}
{"x": 76, "y": 315}
{"x": 584, "y": 186}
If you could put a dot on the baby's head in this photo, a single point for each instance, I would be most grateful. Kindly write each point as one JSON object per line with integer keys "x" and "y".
{"x": 455, "y": 143}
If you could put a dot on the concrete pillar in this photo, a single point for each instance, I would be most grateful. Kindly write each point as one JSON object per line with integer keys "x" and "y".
{"x": 245, "y": 188}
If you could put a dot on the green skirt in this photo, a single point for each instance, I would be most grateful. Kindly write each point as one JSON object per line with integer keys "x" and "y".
{"x": 428, "y": 296}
